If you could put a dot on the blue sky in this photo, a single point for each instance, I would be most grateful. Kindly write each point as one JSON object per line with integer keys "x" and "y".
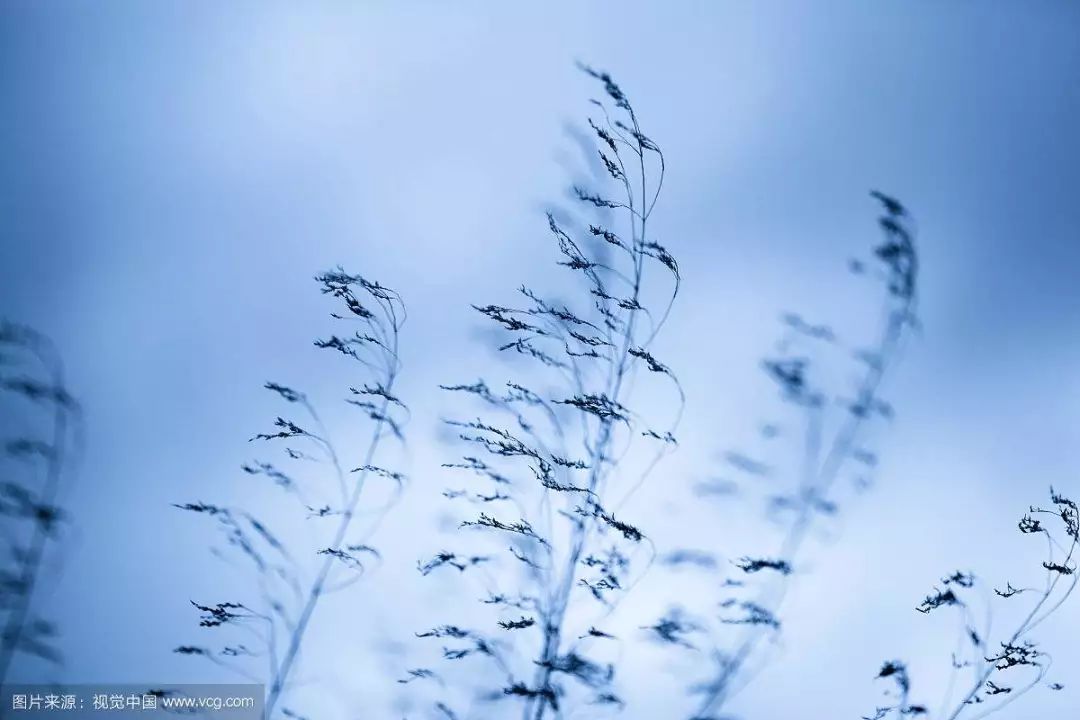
{"x": 175, "y": 173}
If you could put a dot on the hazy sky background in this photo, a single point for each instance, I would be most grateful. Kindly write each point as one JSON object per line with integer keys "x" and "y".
{"x": 175, "y": 172}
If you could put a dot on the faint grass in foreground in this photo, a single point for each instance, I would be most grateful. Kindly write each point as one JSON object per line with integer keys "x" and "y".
{"x": 289, "y": 582}
{"x": 36, "y": 461}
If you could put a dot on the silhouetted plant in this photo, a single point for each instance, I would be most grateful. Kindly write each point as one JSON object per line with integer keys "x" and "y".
{"x": 552, "y": 468}
{"x": 37, "y": 460}
{"x": 1005, "y": 667}
{"x": 289, "y": 582}
{"x": 833, "y": 439}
